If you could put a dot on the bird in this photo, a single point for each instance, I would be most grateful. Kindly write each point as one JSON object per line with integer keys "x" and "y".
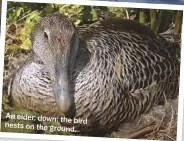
{"x": 111, "y": 72}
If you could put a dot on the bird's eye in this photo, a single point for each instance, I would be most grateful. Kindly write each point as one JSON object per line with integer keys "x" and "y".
{"x": 45, "y": 35}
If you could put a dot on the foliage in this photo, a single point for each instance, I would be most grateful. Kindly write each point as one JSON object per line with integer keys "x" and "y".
{"x": 26, "y": 30}
{"x": 119, "y": 12}
{"x": 72, "y": 11}
{"x": 24, "y": 16}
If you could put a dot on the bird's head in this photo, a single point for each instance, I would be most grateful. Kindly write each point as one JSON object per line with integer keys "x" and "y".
{"x": 55, "y": 43}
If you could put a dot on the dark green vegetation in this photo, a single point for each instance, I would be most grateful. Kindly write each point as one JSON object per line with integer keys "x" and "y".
{"x": 23, "y": 16}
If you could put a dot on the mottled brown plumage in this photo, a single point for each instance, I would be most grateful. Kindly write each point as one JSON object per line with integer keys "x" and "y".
{"x": 112, "y": 72}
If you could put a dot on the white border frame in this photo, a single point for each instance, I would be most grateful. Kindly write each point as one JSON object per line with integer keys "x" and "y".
{"x": 180, "y": 128}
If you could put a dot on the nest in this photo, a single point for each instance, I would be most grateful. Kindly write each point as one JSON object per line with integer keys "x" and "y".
{"x": 160, "y": 123}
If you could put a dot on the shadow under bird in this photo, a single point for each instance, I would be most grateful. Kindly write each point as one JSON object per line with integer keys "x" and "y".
{"x": 109, "y": 73}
